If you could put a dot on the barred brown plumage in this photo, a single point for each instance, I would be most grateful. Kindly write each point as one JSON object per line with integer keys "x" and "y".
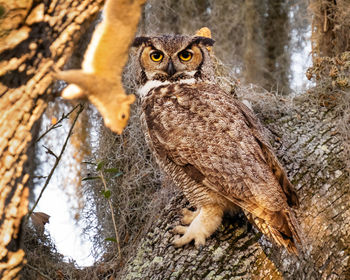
{"x": 210, "y": 144}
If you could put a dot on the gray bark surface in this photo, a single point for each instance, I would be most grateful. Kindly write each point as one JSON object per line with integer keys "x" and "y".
{"x": 308, "y": 143}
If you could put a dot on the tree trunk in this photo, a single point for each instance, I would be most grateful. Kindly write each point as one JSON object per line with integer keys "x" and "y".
{"x": 276, "y": 33}
{"x": 34, "y": 37}
{"x": 253, "y": 51}
{"x": 330, "y": 27}
{"x": 308, "y": 142}
{"x": 266, "y": 43}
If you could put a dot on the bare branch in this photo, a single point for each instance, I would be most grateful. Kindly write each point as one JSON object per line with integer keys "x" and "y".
{"x": 58, "y": 158}
{"x": 57, "y": 124}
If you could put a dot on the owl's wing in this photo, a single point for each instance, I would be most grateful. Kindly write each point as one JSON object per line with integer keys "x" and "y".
{"x": 269, "y": 155}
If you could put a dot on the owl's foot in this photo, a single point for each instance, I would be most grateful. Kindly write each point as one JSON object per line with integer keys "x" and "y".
{"x": 188, "y": 216}
{"x": 204, "y": 223}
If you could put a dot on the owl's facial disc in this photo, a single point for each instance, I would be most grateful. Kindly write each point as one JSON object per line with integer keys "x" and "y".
{"x": 173, "y": 58}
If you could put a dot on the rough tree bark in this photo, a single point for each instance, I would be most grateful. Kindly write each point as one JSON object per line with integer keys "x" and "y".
{"x": 34, "y": 36}
{"x": 310, "y": 147}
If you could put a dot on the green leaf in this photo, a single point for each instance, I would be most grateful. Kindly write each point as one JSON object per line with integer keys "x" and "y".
{"x": 91, "y": 178}
{"x": 100, "y": 165}
{"x": 107, "y": 193}
{"x": 112, "y": 170}
{"x": 111, "y": 239}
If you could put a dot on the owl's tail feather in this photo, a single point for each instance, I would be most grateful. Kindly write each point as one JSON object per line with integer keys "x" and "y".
{"x": 283, "y": 229}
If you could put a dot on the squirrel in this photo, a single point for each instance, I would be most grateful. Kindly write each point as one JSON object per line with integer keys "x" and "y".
{"x": 100, "y": 77}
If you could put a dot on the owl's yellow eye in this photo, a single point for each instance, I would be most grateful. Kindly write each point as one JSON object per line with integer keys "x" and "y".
{"x": 156, "y": 56}
{"x": 185, "y": 55}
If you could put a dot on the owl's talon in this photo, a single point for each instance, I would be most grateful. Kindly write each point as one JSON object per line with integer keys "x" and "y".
{"x": 199, "y": 242}
{"x": 185, "y": 239}
{"x": 188, "y": 216}
{"x": 205, "y": 222}
{"x": 199, "y": 239}
{"x": 179, "y": 230}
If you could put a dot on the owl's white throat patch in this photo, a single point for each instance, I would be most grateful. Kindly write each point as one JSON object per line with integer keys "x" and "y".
{"x": 142, "y": 91}
{"x": 149, "y": 85}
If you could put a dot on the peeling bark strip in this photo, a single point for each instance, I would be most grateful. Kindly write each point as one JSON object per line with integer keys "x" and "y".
{"x": 310, "y": 147}
{"x": 34, "y": 36}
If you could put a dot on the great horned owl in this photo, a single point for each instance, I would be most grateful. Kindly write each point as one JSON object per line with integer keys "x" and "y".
{"x": 209, "y": 143}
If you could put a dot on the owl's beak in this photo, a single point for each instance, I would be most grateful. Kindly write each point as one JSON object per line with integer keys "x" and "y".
{"x": 170, "y": 68}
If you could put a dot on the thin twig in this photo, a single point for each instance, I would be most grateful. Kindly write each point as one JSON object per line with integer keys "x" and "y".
{"x": 50, "y": 152}
{"x": 58, "y": 158}
{"x": 113, "y": 219}
{"x": 325, "y": 27}
{"x": 38, "y": 271}
{"x": 39, "y": 177}
{"x": 64, "y": 116}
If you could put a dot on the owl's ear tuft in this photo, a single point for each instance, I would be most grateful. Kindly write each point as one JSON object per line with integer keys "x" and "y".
{"x": 208, "y": 42}
{"x": 138, "y": 41}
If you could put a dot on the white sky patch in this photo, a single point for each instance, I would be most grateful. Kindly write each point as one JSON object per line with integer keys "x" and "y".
{"x": 65, "y": 232}
{"x": 301, "y": 60}
{"x": 60, "y": 199}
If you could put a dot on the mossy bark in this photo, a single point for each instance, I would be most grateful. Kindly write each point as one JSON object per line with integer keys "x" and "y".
{"x": 308, "y": 143}
{"x": 34, "y": 37}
